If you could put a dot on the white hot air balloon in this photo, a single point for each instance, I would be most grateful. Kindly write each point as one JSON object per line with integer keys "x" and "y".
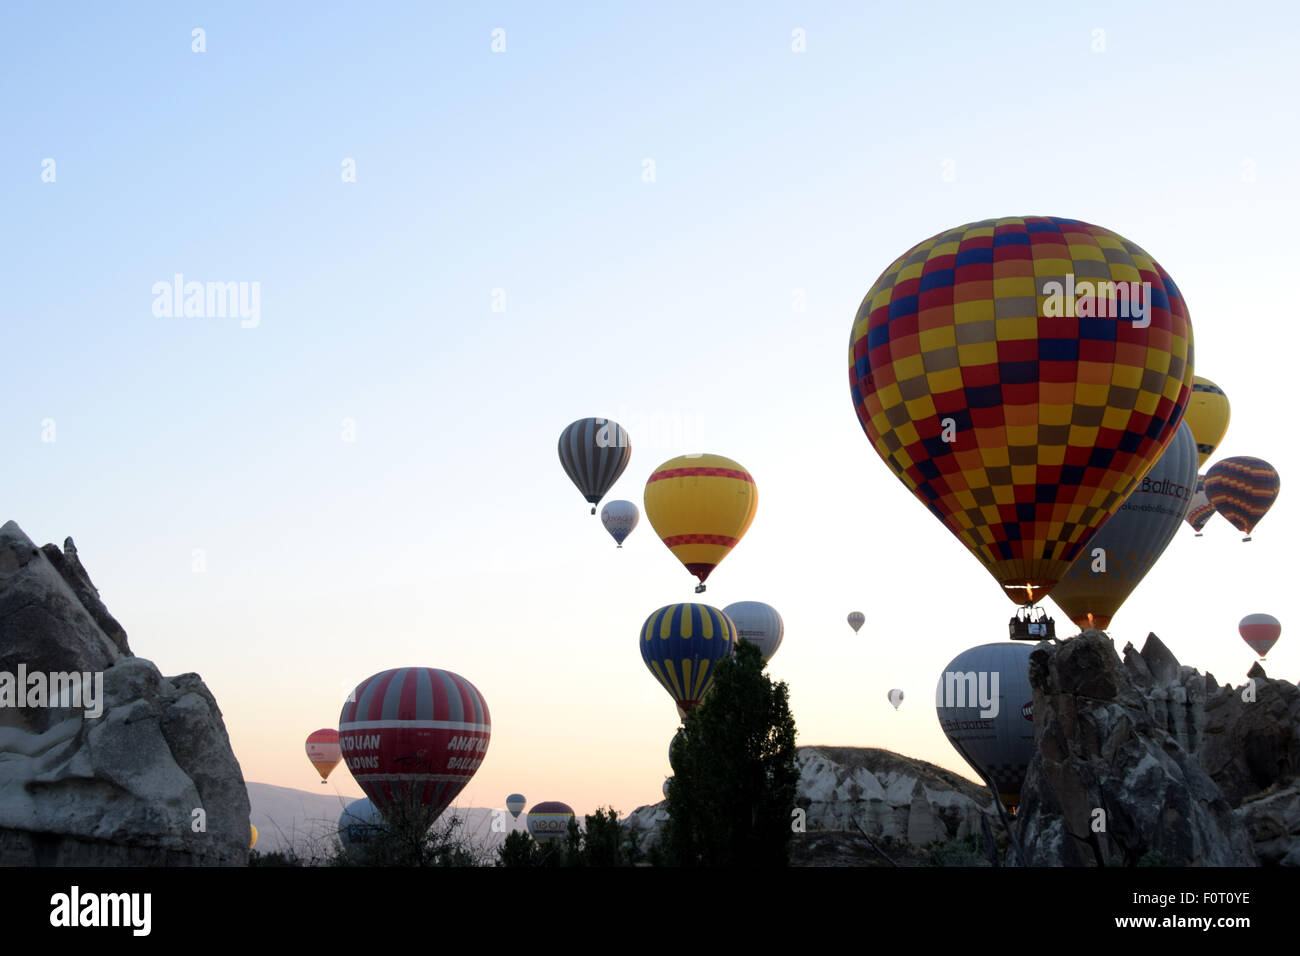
{"x": 856, "y": 620}
{"x": 619, "y": 518}
{"x": 515, "y": 803}
{"x": 895, "y": 697}
{"x": 757, "y": 623}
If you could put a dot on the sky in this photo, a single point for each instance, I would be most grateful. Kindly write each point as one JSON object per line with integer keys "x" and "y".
{"x": 663, "y": 215}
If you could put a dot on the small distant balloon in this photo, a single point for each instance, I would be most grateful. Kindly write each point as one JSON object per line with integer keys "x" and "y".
{"x": 359, "y": 823}
{"x": 1201, "y": 510}
{"x": 856, "y": 620}
{"x": 515, "y": 803}
{"x": 549, "y": 821}
{"x": 1207, "y": 416}
{"x": 323, "y": 751}
{"x": 619, "y": 518}
{"x": 1260, "y": 631}
{"x": 895, "y": 697}
{"x": 252, "y": 833}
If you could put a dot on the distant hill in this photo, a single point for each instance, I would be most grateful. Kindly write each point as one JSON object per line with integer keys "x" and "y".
{"x": 306, "y": 822}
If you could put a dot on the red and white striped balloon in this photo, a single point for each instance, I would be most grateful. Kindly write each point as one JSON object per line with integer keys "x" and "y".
{"x": 414, "y": 735}
{"x": 1260, "y": 631}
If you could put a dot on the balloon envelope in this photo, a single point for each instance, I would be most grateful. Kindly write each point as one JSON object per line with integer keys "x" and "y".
{"x": 757, "y": 623}
{"x": 593, "y": 453}
{"x": 1132, "y": 539}
{"x": 1015, "y": 396}
{"x": 549, "y": 821}
{"x": 895, "y": 697}
{"x": 1201, "y": 510}
{"x": 1260, "y": 631}
{"x": 1242, "y": 489}
{"x": 986, "y": 709}
{"x": 856, "y": 620}
{"x": 413, "y": 737}
{"x": 619, "y": 518}
{"x": 681, "y": 644}
{"x": 252, "y": 836}
{"x": 359, "y": 823}
{"x": 700, "y": 506}
{"x": 1207, "y": 415}
{"x": 323, "y": 751}
{"x": 515, "y": 803}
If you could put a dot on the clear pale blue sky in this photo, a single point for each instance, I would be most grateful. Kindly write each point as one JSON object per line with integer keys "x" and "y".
{"x": 446, "y": 535}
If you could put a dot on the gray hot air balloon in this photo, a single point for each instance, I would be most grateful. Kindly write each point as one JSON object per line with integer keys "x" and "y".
{"x": 515, "y": 803}
{"x": 757, "y": 623}
{"x": 856, "y": 620}
{"x": 895, "y": 697}
{"x": 1124, "y": 549}
{"x": 594, "y": 452}
{"x": 986, "y": 709}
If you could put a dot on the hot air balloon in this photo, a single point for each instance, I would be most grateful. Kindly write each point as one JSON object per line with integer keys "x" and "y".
{"x": 680, "y": 644}
{"x": 856, "y": 620}
{"x": 1020, "y": 376}
{"x": 549, "y": 821}
{"x": 701, "y": 506}
{"x": 1128, "y": 545}
{"x": 323, "y": 751}
{"x": 1201, "y": 510}
{"x": 986, "y": 709}
{"x": 1260, "y": 631}
{"x": 413, "y": 737}
{"x": 252, "y": 836}
{"x": 1242, "y": 490}
{"x": 594, "y": 452}
{"x": 895, "y": 697}
{"x": 1207, "y": 416}
{"x": 515, "y": 803}
{"x": 757, "y": 623}
{"x": 619, "y": 518}
{"x": 359, "y": 823}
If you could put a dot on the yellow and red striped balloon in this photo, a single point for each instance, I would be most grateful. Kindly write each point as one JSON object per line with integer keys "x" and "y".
{"x": 700, "y": 506}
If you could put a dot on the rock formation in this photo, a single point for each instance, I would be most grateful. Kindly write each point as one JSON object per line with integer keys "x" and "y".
{"x": 886, "y": 794}
{"x": 109, "y": 768}
{"x": 1114, "y": 780}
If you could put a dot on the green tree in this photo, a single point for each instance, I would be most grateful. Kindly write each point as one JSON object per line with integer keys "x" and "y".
{"x": 519, "y": 849}
{"x": 605, "y": 843}
{"x": 732, "y": 799}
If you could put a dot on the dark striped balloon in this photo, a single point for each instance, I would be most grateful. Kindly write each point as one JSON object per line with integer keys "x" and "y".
{"x": 594, "y": 452}
{"x": 549, "y": 821}
{"x": 413, "y": 737}
{"x": 1202, "y": 511}
{"x": 681, "y": 644}
{"x": 1242, "y": 489}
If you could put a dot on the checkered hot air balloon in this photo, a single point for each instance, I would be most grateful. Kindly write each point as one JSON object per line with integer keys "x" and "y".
{"x": 1242, "y": 489}
{"x": 413, "y": 737}
{"x": 681, "y": 644}
{"x": 1020, "y": 376}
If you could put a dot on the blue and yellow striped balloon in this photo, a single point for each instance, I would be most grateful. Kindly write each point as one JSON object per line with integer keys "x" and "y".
{"x": 681, "y": 643}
